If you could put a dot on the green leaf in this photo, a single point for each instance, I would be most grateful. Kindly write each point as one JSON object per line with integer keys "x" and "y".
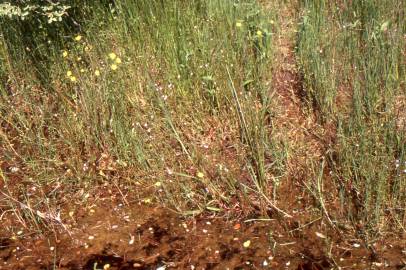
{"x": 208, "y": 78}
{"x": 214, "y": 209}
{"x": 384, "y": 26}
{"x": 247, "y": 82}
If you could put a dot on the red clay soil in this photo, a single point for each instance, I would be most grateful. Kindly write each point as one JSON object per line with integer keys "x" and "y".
{"x": 144, "y": 237}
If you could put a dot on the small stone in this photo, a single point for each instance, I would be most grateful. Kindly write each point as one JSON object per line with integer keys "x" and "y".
{"x": 132, "y": 240}
{"x": 320, "y": 235}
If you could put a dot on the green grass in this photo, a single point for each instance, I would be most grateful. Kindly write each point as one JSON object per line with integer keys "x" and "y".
{"x": 352, "y": 59}
{"x": 182, "y": 63}
{"x": 187, "y": 112}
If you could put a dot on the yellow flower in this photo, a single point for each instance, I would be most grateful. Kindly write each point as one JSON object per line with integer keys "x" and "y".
{"x": 147, "y": 200}
{"x": 200, "y": 175}
{"x": 72, "y": 78}
{"x": 78, "y": 37}
{"x": 69, "y": 73}
{"x": 118, "y": 60}
{"x": 259, "y": 33}
{"x": 158, "y": 184}
{"x": 113, "y": 67}
{"x": 112, "y": 56}
{"x": 87, "y": 48}
{"x": 82, "y": 70}
{"x": 79, "y": 58}
{"x": 106, "y": 266}
{"x": 238, "y": 24}
{"x": 65, "y": 54}
{"x": 97, "y": 73}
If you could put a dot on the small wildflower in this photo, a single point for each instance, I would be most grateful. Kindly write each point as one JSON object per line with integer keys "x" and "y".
{"x": 113, "y": 67}
{"x": 259, "y": 33}
{"x": 118, "y": 60}
{"x": 112, "y": 56}
{"x": 65, "y": 54}
{"x": 78, "y": 38}
{"x": 73, "y": 79}
{"x": 87, "y": 48}
{"x": 79, "y": 58}
{"x": 106, "y": 266}
{"x": 247, "y": 243}
{"x": 200, "y": 175}
{"x": 158, "y": 184}
{"x": 147, "y": 200}
{"x": 69, "y": 73}
{"x": 82, "y": 70}
{"x": 238, "y": 24}
{"x": 97, "y": 73}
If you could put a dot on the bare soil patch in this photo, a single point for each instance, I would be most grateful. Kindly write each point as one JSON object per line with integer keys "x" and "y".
{"x": 137, "y": 236}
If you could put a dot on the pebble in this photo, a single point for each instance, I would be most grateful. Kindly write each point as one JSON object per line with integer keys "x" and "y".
{"x": 132, "y": 240}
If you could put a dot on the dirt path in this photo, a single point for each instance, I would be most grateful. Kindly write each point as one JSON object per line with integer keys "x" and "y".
{"x": 294, "y": 122}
